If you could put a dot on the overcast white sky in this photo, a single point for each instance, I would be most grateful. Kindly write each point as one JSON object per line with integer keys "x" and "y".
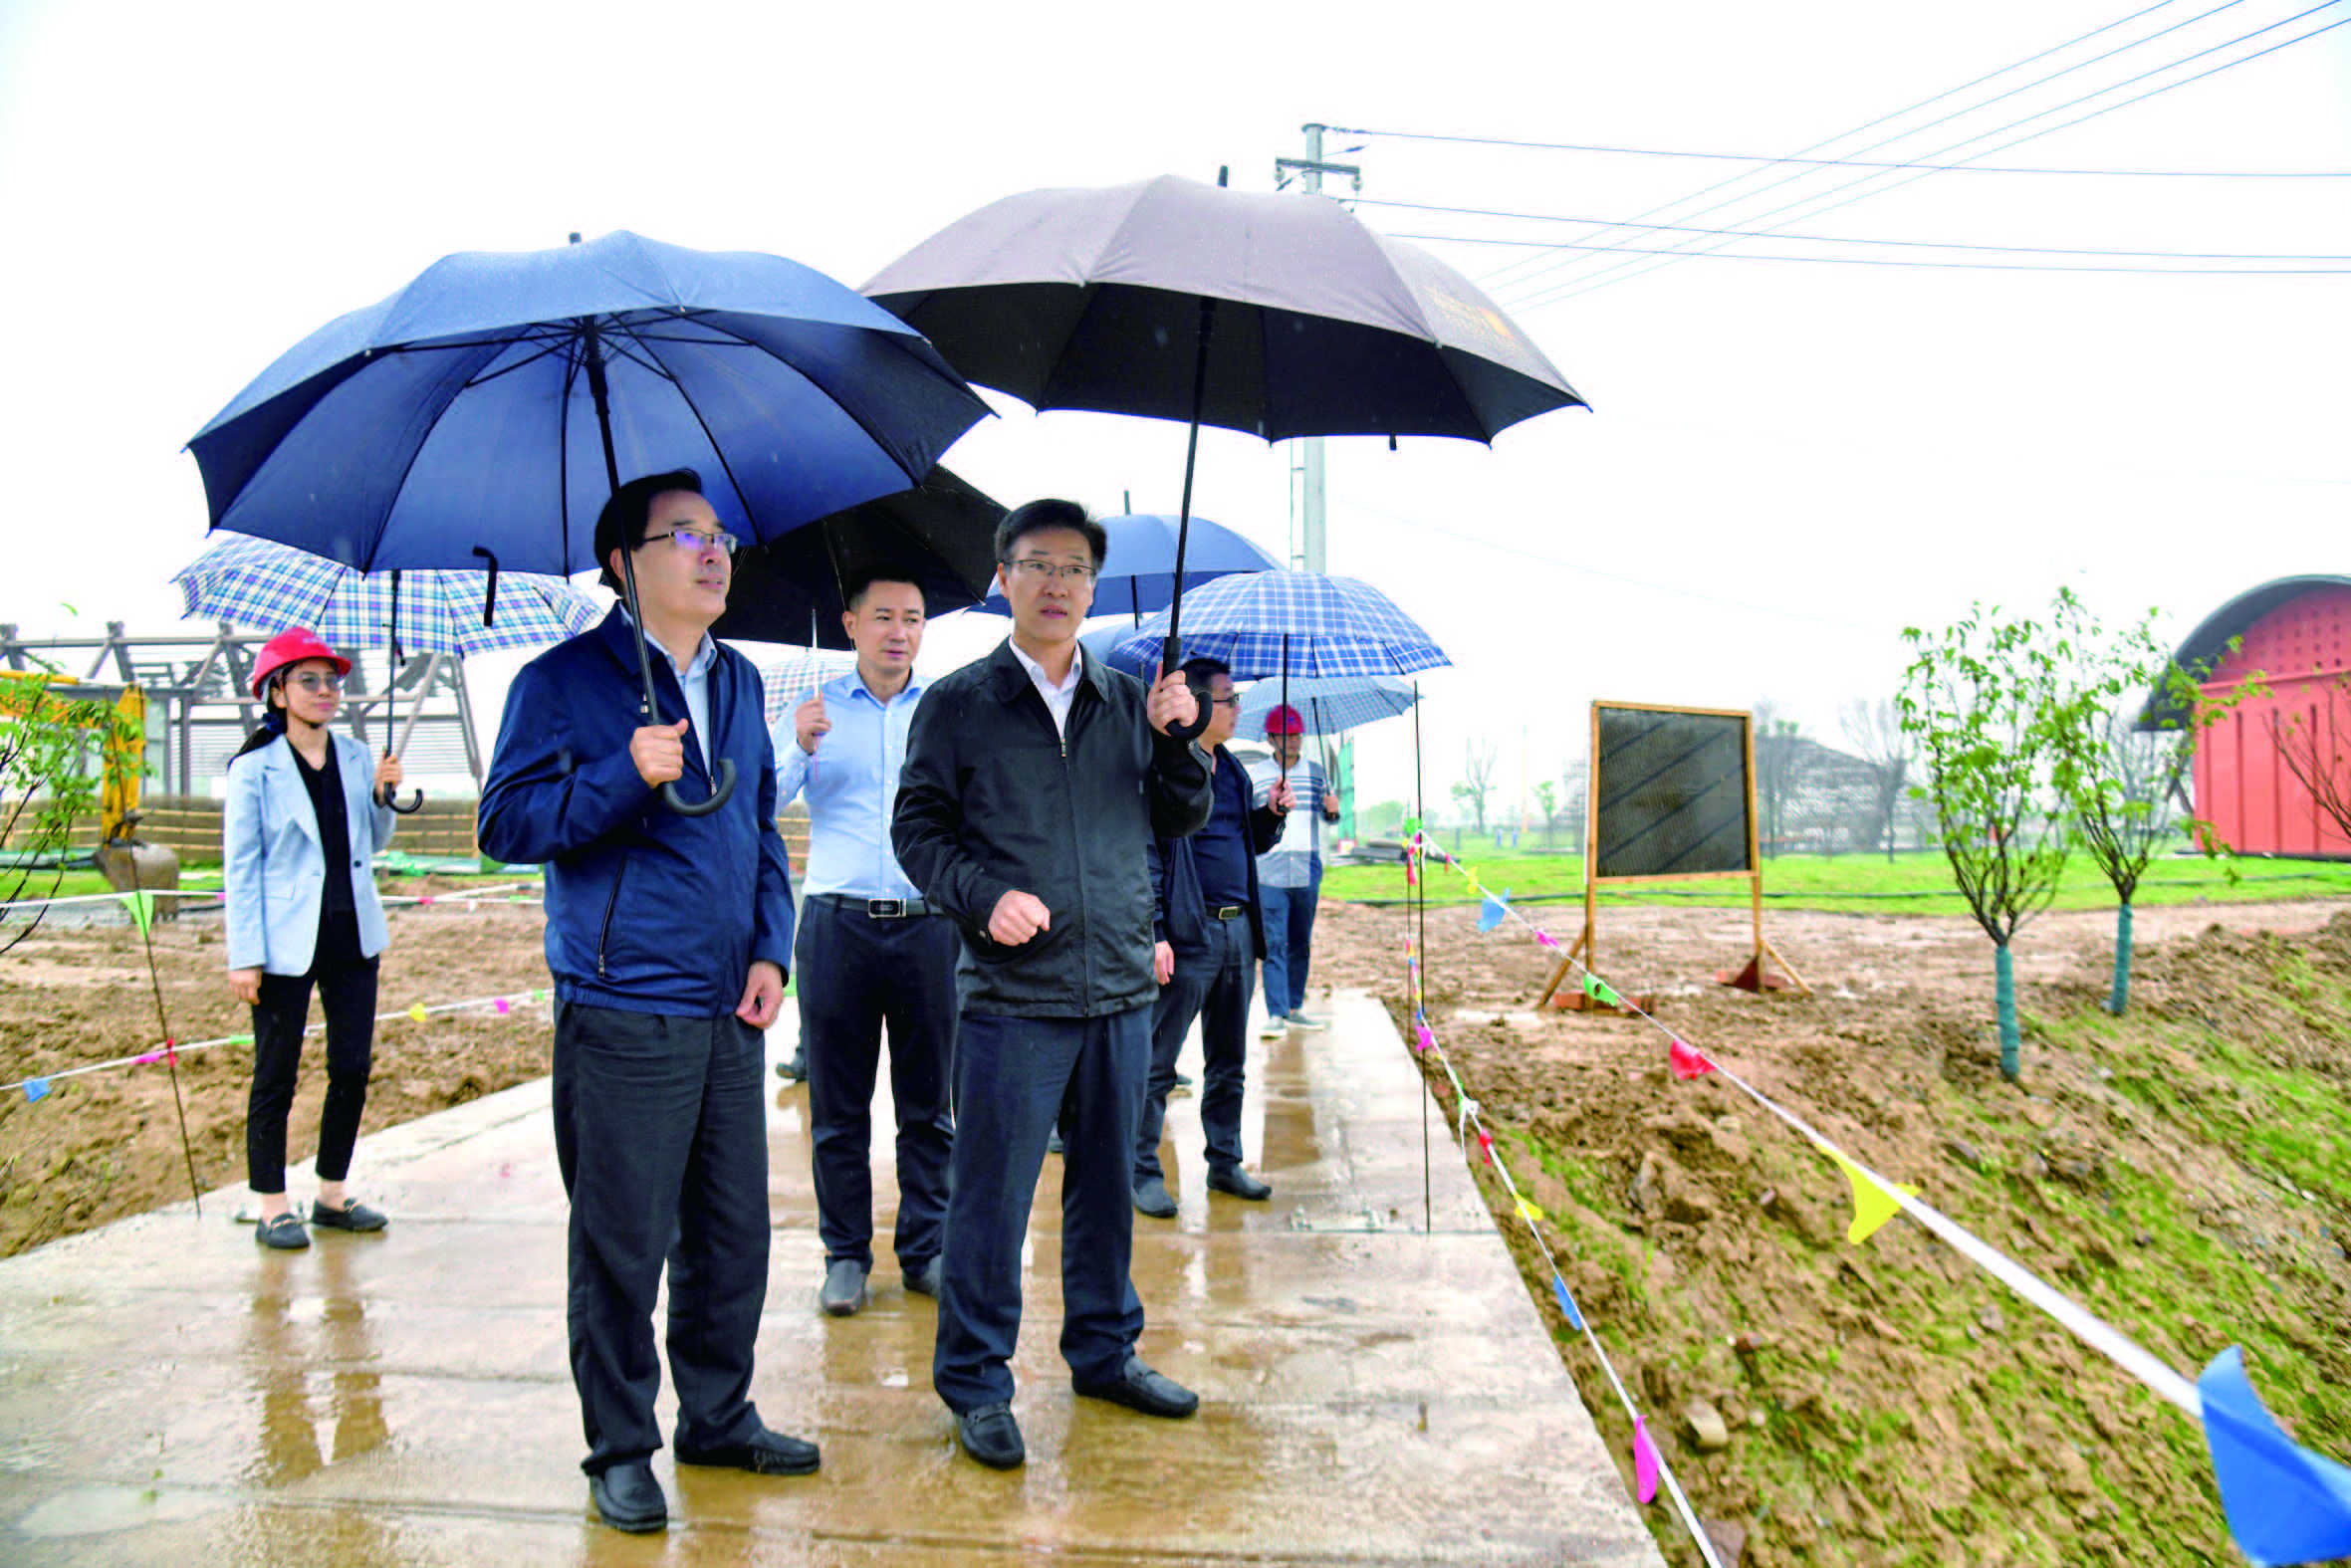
{"x": 1784, "y": 464}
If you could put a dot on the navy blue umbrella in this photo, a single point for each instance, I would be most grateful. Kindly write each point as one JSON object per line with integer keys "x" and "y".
{"x": 485, "y": 413}
{"x": 1138, "y": 574}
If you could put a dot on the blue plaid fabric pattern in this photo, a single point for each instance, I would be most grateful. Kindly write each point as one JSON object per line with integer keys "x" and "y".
{"x": 795, "y": 679}
{"x": 1328, "y": 704}
{"x": 268, "y": 586}
{"x": 1312, "y": 625}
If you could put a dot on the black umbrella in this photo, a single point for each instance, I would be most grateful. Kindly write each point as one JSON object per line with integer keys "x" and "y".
{"x": 942, "y": 534}
{"x": 1281, "y": 316}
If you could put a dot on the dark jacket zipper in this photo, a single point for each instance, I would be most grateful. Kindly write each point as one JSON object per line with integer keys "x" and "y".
{"x": 604, "y": 931}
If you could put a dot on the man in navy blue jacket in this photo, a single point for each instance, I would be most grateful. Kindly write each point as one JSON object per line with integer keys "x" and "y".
{"x": 668, "y": 937}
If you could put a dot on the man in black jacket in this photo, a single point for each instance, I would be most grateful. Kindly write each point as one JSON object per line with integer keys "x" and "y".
{"x": 1211, "y": 933}
{"x": 1034, "y": 781}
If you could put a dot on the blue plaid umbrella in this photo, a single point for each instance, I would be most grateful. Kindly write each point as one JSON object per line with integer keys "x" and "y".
{"x": 1300, "y": 624}
{"x": 270, "y": 586}
{"x": 794, "y": 680}
{"x": 1329, "y": 704}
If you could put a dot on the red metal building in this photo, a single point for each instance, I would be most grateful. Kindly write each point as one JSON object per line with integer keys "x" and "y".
{"x": 2296, "y": 633}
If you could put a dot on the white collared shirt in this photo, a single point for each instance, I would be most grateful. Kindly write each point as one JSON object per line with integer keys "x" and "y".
{"x": 694, "y": 682}
{"x": 1056, "y": 698}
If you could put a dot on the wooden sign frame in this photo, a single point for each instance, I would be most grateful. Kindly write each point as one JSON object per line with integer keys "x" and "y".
{"x": 1755, "y": 977}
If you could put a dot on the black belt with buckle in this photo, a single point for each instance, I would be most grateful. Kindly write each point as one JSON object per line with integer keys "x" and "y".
{"x": 881, "y": 908}
{"x": 1229, "y": 912}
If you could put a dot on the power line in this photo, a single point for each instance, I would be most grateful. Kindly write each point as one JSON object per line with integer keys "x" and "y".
{"x": 1884, "y": 118}
{"x": 1823, "y": 238}
{"x": 1601, "y": 279}
{"x": 1854, "y": 164}
{"x": 1888, "y": 261}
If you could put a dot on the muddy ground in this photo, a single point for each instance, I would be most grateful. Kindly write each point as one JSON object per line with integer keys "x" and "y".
{"x": 106, "y": 1143}
{"x": 1883, "y": 1404}
{"x": 2180, "y": 1170}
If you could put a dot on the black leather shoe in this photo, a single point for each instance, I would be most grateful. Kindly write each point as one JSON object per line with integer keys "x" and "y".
{"x": 628, "y": 1499}
{"x": 991, "y": 1436}
{"x": 767, "y": 1454}
{"x": 1151, "y": 1198}
{"x": 1137, "y": 1387}
{"x": 843, "y": 1292}
{"x": 1232, "y": 1179}
{"x": 924, "y": 1282}
{"x": 795, "y": 1071}
{"x": 350, "y": 1216}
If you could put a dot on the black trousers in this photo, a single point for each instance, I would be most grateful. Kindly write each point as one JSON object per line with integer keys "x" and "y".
{"x": 1014, "y": 1078}
{"x": 346, "y": 984}
{"x": 856, "y": 972}
{"x": 1214, "y": 986}
{"x": 660, "y": 1132}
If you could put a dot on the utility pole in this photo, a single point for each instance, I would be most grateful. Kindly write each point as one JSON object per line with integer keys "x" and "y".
{"x": 1314, "y": 554}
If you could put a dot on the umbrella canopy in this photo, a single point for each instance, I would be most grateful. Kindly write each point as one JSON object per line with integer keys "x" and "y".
{"x": 941, "y": 533}
{"x": 1089, "y": 298}
{"x": 794, "y": 680}
{"x": 483, "y": 413}
{"x": 1139, "y": 572}
{"x": 261, "y": 583}
{"x": 1282, "y": 316}
{"x": 1328, "y": 704}
{"x": 494, "y": 403}
{"x": 1300, "y": 624}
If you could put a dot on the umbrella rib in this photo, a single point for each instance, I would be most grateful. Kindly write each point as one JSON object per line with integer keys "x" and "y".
{"x": 717, "y": 448}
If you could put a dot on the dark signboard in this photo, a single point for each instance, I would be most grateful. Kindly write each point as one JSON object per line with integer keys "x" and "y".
{"x": 1670, "y": 793}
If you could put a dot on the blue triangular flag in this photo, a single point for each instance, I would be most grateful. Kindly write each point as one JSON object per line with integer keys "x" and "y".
{"x": 36, "y": 1088}
{"x": 1567, "y": 1302}
{"x": 1495, "y": 908}
{"x": 2285, "y": 1503}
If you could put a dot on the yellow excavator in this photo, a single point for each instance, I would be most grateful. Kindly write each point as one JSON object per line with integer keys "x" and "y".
{"x": 124, "y": 860}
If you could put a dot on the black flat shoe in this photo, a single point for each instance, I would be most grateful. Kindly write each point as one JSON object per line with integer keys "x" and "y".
{"x": 285, "y": 1233}
{"x": 628, "y": 1499}
{"x": 1137, "y": 1387}
{"x": 924, "y": 1282}
{"x": 1151, "y": 1198}
{"x": 767, "y": 1454}
{"x": 350, "y": 1216}
{"x": 991, "y": 1436}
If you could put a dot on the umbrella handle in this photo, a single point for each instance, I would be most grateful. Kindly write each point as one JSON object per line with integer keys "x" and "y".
{"x": 670, "y": 795}
{"x": 682, "y": 806}
{"x": 414, "y": 805}
{"x": 1170, "y": 657}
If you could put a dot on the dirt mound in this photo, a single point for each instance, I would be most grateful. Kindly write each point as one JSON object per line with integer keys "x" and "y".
{"x": 2185, "y": 1170}
{"x": 107, "y": 1144}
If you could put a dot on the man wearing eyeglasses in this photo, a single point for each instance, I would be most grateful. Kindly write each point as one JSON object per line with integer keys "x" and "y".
{"x": 1210, "y": 935}
{"x": 668, "y": 937}
{"x": 1034, "y": 780}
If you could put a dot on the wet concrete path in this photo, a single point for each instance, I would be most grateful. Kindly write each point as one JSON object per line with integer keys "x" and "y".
{"x": 1375, "y": 1388}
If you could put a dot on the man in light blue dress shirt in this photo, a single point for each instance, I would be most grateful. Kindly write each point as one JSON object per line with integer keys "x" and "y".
{"x": 869, "y": 951}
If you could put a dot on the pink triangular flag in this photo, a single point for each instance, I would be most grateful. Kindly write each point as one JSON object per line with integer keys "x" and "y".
{"x": 1688, "y": 1061}
{"x": 1427, "y": 1040}
{"x": 1644, "y": 1462}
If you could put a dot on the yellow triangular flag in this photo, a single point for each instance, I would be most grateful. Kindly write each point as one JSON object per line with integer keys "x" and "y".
{"x": 419, "y": 1015}
{"x": 1528, "y": 1209}
{"x": 1873, "y": 1206}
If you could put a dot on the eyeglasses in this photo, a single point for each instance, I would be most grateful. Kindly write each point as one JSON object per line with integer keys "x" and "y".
{"x": 1042, "y": 570}
{"x": 1233, "y": 701}
{"x": 695, "y": 542}
{"x": 314, "y": 681}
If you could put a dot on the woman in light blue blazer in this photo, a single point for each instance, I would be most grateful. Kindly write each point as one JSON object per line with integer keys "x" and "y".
{"x": 306, "y": 810}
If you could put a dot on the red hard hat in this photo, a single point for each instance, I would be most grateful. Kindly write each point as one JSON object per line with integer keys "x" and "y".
{"x": 1284, "y": 720}
{"x": 292, "y": 646}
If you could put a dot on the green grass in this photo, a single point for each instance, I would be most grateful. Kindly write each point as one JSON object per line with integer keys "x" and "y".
{"x": 1915, "y": 882}
{"x": 196, "y": 878}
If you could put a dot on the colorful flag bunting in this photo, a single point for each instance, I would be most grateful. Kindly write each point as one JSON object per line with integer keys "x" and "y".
{"x": 141, "y": 905}
{"x": 1687, "y": 1060}
{"x": 1425, "y": 1037}
{"x": 1644, "y": 1462}
{"x": 1485, "y": 1144}
{"x": 1495, "y": 908}
{"x": 2285, "y": 1503}
{"x": 1528, "y": 1210}
{"x": 503, "y": 1005}
{"x": 1567, "y": 1302}
{"x": 1545, "y": 939}
{"x": 36, "y": 1089}
{"x": 1873, "y": 1206}
{"x": 418, "y": 1013}
{"x": 1600, "y": 990}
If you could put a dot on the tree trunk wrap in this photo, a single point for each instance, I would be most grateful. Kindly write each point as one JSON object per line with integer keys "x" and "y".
{"x": 2122, "y": 962}
{"x": 2004, "y": 988}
